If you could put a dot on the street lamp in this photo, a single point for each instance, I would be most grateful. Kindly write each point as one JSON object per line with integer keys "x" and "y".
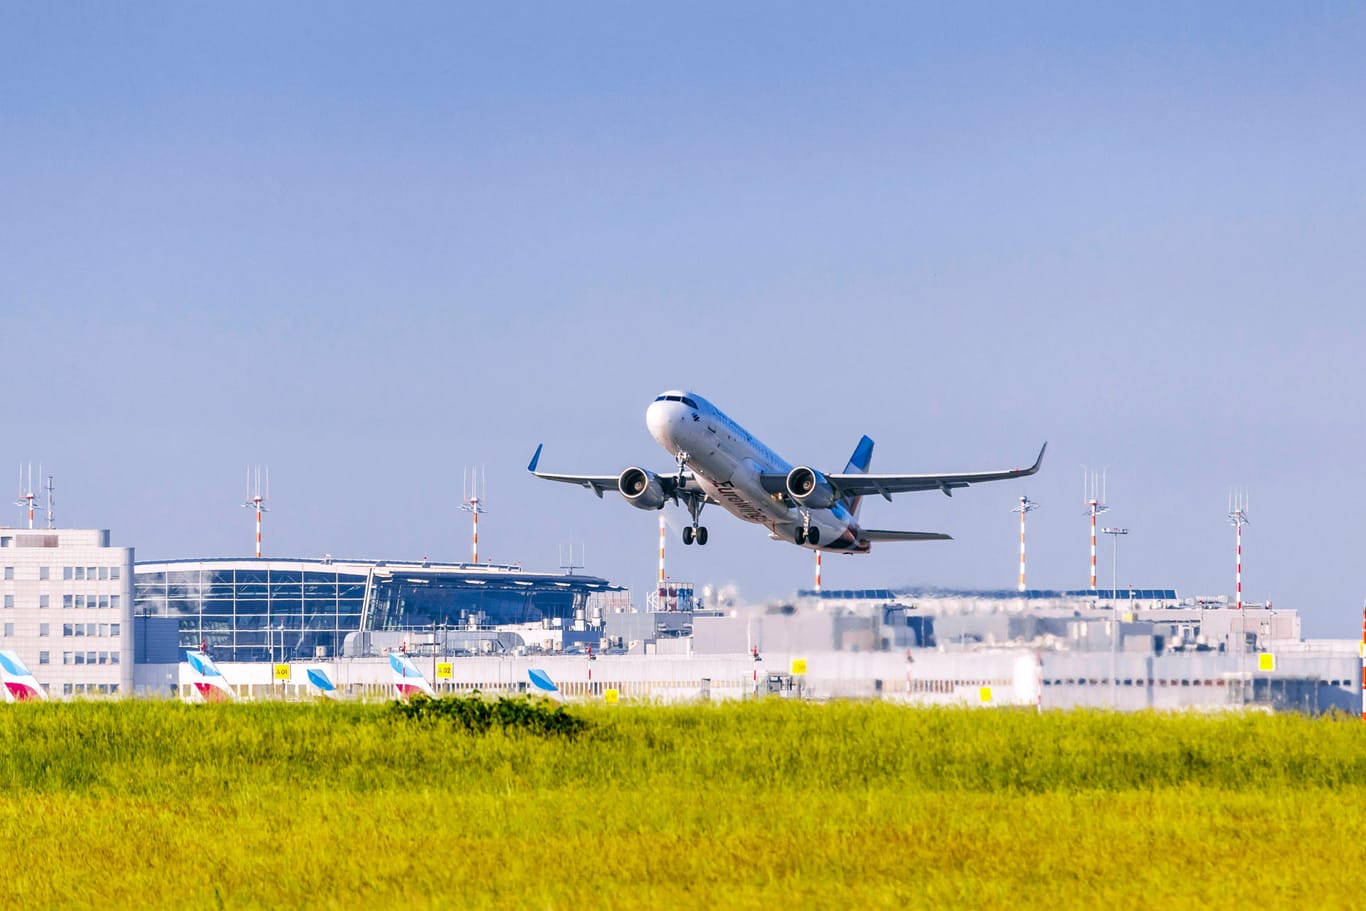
{"x": 1114, "y": 534}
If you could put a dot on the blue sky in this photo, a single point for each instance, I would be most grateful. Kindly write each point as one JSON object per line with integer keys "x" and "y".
{"x": 371, "y": 246}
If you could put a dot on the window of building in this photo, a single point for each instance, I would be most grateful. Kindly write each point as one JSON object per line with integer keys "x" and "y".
{"x": 104, "y": 629}
{"x": 9, "y": 629}
{"x": 66, "y": 658}
{"x": 68, "y": 600}
{"x": 113, "y": 629}
{"x": 80, "y": 573}
{"x": 113, "y": 572}
{"x": 104, "y": 601}
{"x": 92, "y": 629}
{"x": 44, "y": 657}
{"x": 43, "y": 600}
{"x": 114, "y": 601}
{"x": 42, "y": 629}
{"x": 66, "y": 573}
{"x": 68, "y": 689}
{"x": 89, "y": 657}
{"x": 113, "y": 657}
{"x": 9, "y": 573}
{"x": 9, "y": 600}
{"x": 104, "y": 573}
{"x": 90, "y": 573}
{"x": 44, "y": 573}
{"x": 104, "y": 657}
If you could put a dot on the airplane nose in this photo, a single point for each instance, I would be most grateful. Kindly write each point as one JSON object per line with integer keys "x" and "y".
{"x": 658, "y": 419}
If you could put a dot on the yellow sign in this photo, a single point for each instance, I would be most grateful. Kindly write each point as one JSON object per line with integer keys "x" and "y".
{"x": 985, "y": 694}
{"x": 445, "y": 670}
{"x": 282, "y": 672}
{"x": 610, "y": 697}
{"x": 798, "y": 667}
{"x": 1266, "y": 662}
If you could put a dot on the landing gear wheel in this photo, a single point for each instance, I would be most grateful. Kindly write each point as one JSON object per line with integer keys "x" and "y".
{"x": 800, "y": 536}
{"x": 687, "y": 535}
{"x": 813, "y": 535}
{"x": 701, "y": 535}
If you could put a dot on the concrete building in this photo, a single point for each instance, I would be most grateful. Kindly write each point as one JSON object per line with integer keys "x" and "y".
{"x": 67, "y": 609}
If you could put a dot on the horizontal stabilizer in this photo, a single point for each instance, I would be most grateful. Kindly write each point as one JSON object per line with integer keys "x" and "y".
{"x": 876, "y": 534}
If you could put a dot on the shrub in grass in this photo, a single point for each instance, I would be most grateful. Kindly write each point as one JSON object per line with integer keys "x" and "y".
{"x": 479, "y": 715}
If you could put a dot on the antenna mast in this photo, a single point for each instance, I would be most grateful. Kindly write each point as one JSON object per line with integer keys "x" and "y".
{"x": 26, "y": 494}
{"x": 1237, "y": 517}
{"x": 1026, "y": 506}
{"x": 471, "y": 483}
{"x": 1093, "y": 491}
{"x": 257, "y": 497}
{"x": 570, "y": 566}
{"x": 51, "y": 518}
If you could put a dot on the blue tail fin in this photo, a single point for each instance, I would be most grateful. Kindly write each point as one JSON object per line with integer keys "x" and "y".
{"x": 858, "y": 463}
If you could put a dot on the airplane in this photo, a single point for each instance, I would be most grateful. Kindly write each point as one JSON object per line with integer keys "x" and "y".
{"x": 720, "y": 462}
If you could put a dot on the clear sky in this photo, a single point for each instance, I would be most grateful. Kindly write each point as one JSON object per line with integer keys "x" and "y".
{"x": 370, "y": 245}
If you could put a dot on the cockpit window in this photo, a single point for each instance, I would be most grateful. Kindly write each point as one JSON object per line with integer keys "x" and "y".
{"x": 677, "y": 398}
{"x": 689, "y": 402}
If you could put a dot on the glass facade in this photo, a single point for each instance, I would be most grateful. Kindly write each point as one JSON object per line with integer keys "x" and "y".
{"x": 254, "y": 610}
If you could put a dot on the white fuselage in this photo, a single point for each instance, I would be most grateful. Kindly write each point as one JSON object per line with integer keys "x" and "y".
{"x": 726, "y": 460}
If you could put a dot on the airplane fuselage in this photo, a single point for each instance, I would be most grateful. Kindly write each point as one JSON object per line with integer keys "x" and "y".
{"x": 727, "y": 460}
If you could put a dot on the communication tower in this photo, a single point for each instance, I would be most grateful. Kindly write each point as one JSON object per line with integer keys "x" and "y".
{"x": 472, "y": 482}
{"x": 570, "y": 566}
{"x": 26, "y": 494}
{"x": 1093, "y": 491}
{"x": 1237, "y": 517}
{"x": 257, "y": 497}
{"x": 1026, "y": 506}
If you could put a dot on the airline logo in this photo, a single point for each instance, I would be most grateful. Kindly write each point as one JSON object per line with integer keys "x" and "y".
{"x": 19, "y": 684}
{"x": 408, "y": 680}
{"x": 542, "y": 685}
{"x": 207, "y": 678}
{"x": 318, "y": 680}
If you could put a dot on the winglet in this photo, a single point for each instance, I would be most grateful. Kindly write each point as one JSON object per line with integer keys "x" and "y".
{"x": 539, "y": 446}
{"x": 1033, "y": 468}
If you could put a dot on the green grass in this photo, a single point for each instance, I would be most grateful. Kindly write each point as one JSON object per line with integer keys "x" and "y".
{"x": 754, "y": 805}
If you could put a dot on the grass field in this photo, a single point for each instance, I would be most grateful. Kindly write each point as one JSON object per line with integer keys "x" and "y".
{"x": 772, "y": 805}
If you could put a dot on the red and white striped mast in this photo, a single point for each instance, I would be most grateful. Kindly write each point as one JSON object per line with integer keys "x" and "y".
{"x": 1237, "y": 516}
{"x": 473, "y": 484}
{"x": 662, "y": 586}
{"x": 1027, "y": 505}
{"x": 26, "y": 494}
{"x": 257, "y": 497}
{"x": 1093, "y": 489}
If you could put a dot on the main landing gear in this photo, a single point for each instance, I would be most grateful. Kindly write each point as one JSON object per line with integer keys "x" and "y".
{"x": 806, "y": 534}
{"x": 696, "y": 501}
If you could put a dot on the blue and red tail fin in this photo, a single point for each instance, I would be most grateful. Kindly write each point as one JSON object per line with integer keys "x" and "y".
{"x": 858, "y": 464}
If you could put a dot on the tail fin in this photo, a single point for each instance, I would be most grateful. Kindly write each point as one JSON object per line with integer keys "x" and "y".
{"x": 18, "y": 681}
{"x": 858, "y": 463}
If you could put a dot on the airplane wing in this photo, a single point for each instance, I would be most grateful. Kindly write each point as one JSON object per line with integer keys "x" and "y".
{"x": 875, "y": 534}
{"x": 594, "y": 482}
{"x": 601, "y": 482}
{"x": 853, "y": 485}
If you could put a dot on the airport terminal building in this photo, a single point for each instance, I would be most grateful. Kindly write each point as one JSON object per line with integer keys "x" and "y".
{"x": 247, "y": 609}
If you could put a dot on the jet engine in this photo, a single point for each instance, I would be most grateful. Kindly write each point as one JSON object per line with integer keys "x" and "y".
{"x": 809, "y": 488}
{"x": 642, "y": 489}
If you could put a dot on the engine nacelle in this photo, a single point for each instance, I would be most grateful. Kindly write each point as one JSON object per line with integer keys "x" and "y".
{"x": 809, "y": 488}
{"x": 642, "y": 489}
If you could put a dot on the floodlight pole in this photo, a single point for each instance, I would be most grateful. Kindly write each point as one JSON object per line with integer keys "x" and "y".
{"x": 1114, "y": 534}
